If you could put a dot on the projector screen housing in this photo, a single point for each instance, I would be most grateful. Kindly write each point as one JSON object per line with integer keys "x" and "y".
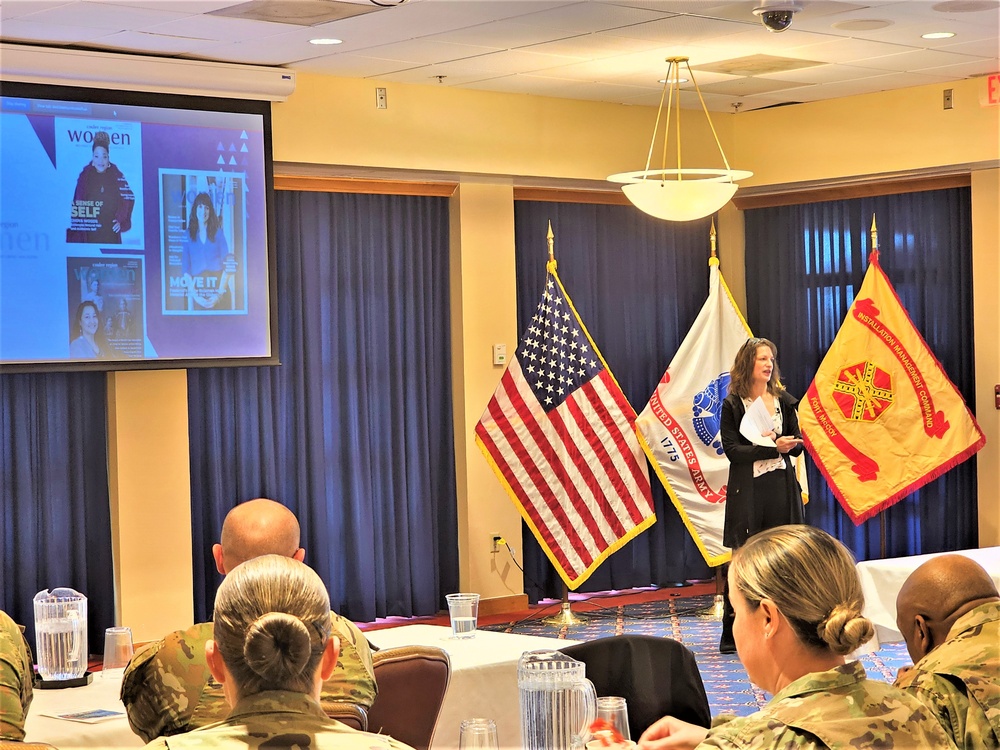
{"x": 136, "y": 230}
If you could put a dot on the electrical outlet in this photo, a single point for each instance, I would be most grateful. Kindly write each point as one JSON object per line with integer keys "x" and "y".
{"x": 495, "y": 544}
{"x": 381, "y": 100}
{"x": 948, "y": 99}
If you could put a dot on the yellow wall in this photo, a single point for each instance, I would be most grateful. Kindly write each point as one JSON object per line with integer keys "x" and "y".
{"x": 986, "y": 312}
{"x": 482, "y": 281}
{"x": 489, "y": 142}
{"x": 860, "y": 135}
{"x": 438, "y": 128}
{"x": 150, "y": 486}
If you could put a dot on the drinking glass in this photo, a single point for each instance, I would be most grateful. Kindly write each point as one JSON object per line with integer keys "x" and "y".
{"x": 478, "y": 734}
{"x": 612, "y": 711}
{"x": 464, "y": 612}
{"x": 118, "y": 651}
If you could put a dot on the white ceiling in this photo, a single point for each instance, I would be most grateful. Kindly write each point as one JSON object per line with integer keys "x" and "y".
{"x": 607, "y": 50}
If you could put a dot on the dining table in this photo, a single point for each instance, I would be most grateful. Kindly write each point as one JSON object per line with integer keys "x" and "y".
{"x": 881, "y": 581}
{"x": 47, "y": 722}
{"x": 483, "y": 676}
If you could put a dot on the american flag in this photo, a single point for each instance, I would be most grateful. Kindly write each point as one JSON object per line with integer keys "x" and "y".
{"x": 560, "y": 436}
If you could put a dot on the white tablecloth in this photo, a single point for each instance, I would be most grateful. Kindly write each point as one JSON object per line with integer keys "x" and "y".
{"x": 483, "y": 676}
{"x": 881, "y": 581}
{"x": 66, "y": 735}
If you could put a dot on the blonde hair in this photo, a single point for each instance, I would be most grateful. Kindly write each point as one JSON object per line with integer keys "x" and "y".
{"x": 271, "y": 624}
{"x": 812, "y": 579}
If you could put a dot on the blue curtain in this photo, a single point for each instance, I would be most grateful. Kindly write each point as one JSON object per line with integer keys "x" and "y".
{"x": 804, "y": 264}
{"x": 54, "y": 495}
{"x": 353, "y": 431}
{"x": 638, "y": 284}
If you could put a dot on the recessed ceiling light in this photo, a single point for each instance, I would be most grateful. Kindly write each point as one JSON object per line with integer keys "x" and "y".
{"x": 938, "y": 35}
{"x": 664, "y": 80}
{"x": 326, "y": 41}
{"x": 862, "y": 24}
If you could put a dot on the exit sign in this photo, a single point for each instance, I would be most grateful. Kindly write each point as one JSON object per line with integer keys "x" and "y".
{"x": 992, "y": 90}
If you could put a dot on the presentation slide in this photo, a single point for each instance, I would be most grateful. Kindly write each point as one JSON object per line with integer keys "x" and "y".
{"x": 132, "y": 233}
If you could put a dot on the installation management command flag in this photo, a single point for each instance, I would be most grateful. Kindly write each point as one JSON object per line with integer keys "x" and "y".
{"x": 560, "y": 436}
{"x": 881, "y": 418}
{"x": 679, "y": 427}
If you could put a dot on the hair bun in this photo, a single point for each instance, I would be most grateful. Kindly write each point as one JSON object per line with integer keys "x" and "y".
{"x": 277, "y": 646}
{"x": 845, "y": 629}
{"x": 102, "y": 139}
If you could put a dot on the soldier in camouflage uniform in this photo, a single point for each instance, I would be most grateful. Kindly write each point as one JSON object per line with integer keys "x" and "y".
{"x": 168, "y": 688}
{"x": 15, "y": 679}
{"x": 948, "y": 611}
{"x": 798, "y": 613}
{"x": 272, "y": 646}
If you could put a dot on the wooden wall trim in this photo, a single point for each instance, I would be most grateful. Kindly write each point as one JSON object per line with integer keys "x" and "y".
{"x": 358, "y": 185}
{"x": 852, "y": 190}
{"x": 561, "y": 195}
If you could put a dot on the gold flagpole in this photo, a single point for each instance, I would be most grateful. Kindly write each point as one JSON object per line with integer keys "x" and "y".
{"x": 882, "y": 531}
{"x": 718, "y": 605}
{"x": 565, "y": 616}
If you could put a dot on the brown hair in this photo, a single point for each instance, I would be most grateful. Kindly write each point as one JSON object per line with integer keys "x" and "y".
{"x": 741, "y": 376}
{"x": 271, "y": 624}
{"x": 812, "y": 579}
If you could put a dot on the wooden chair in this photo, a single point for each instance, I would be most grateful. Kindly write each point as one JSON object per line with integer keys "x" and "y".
{"x": 412, "y": 682}
{"x": 350, "y": 714}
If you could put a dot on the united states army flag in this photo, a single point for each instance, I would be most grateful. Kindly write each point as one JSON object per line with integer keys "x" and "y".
{"x": 881, "y": 418}
{"x": 679, "y": 428}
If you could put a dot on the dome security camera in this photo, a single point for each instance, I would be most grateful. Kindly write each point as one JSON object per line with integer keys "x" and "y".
{"x": 776, "y": 15}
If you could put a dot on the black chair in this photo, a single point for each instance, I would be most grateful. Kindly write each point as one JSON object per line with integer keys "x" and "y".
{"x": 656, "y": 677}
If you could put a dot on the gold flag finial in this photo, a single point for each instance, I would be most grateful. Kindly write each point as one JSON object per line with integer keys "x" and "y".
{"x": 711, "y": 236}
{"x": 550, "y": 238}
{"x": 874, "y": 234}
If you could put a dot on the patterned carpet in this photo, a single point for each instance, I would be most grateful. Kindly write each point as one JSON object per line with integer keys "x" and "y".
{"x": 690, "y": 621}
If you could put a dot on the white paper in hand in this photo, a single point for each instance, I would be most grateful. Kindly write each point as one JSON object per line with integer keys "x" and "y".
{"x": 757, "y": 421}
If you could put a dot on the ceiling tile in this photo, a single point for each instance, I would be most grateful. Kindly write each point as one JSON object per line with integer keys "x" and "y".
{"x": 141, "y": 42}
{"x": 21, "y": 8}
{"x": 584, "y": 17}
{"x": 219, "y": 28}
{"x": 915, "y": 60}
{"x": 827, "y": 74}
{"x": 22, "y": 30}
{"x": 964, "y": 70}
{"x": 503, "y": 34}
{"x": 681, "y": 30}
{"x": 110, "y": 17}
{"x": 426, "y": 50}
{"x": 981, "y": 48}
{"x": 745, "y": 86}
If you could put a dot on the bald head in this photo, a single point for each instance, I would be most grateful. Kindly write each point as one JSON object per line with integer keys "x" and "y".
{"x": 935, "y": 595}
{"x": 254, "y": 528}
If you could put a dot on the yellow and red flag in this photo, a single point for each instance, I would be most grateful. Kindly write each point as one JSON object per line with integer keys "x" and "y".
{"x": 881, "y": 418}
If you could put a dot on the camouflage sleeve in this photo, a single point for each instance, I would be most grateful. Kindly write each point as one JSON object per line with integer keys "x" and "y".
{"x": 164, "y": 686}
{"x": 353, "y": 679}
{"x": 15, "y": 679}
{"x": 754, "y": 733}
{"x": 947, "y": 701}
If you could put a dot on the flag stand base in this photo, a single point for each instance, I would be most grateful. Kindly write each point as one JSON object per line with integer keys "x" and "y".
{"x": 566, "y": 616}
{"x": 718, "y": 607}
